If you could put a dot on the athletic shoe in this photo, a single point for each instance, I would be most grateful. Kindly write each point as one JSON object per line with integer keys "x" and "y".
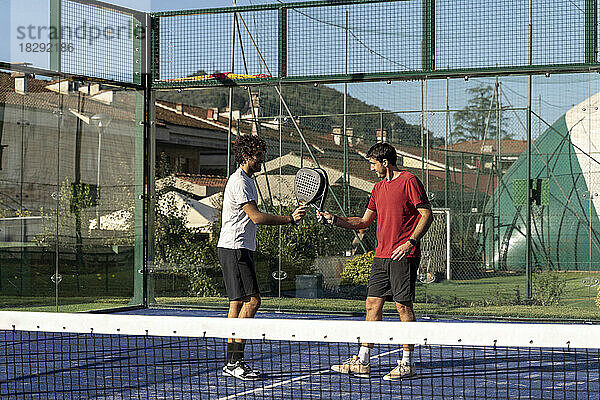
{"x": 353, "y": 366}
{"x": 241, "y": 370}
{"x": 402, "y": 371}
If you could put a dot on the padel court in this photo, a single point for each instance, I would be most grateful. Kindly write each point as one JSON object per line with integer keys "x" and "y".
{"x": 164, "y": 363}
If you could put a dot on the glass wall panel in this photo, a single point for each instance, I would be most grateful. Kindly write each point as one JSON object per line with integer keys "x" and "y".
{"x": 466, "y": 139}
{"x": 72, "y": 156}
{"x": 100, "y": 183}
{"x": 29, "y": 126}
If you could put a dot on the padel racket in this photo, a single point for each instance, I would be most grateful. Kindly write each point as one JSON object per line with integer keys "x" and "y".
{"x": 311, "y": 186}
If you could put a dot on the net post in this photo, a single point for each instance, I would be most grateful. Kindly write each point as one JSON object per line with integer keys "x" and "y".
{"x": 145, "y": 149}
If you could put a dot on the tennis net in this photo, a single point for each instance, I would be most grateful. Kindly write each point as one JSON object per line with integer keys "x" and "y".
{"x": 81, "y": 356}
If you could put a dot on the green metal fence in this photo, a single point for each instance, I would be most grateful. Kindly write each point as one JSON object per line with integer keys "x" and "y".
{"x": 371, "y": 40}
{"x": 97, "y": 40}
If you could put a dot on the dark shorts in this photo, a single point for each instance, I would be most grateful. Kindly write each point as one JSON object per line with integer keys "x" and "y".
{"x": 393, "y": 279}
{"x": 238, "y": 272}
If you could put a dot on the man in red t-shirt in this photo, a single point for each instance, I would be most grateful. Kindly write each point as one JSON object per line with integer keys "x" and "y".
{"x": 403, "y": 216}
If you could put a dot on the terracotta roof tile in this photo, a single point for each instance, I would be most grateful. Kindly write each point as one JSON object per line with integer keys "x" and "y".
{"x": 507, "y": 146}
{"x": 204, "y": 180}
{"x": 165, "y": 114}
{"x": 40, "y": 97}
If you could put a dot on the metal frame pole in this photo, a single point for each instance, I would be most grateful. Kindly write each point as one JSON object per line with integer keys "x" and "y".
{"x": 528, "y": 291}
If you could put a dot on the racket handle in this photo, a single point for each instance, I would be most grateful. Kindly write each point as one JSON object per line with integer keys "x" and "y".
{"x": 323, "y": 221}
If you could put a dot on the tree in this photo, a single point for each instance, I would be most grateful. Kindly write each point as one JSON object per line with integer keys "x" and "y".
{"x": 479, "y": 119}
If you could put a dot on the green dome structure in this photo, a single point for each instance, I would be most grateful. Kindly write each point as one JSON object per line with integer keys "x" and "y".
{"x": 565, "y": 227}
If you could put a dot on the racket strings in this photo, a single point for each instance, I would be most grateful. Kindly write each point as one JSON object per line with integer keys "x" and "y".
{"x": 308, "y": 186}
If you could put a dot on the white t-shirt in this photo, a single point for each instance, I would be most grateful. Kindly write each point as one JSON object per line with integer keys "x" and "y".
{"x": 237, "y": 229}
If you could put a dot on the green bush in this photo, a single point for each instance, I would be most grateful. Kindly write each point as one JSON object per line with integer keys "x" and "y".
{"x": 466, "y": 257}
{"x": 192, "y": 257}
{"x": 357, "y": 269}
{"x": 201, "y": 284}
{"x": 185, "y": 252}
{"x": 598, "y": 298}
{"x": 293, "y": 248}
{"x": 191, "y": 280}
{"x": 548, "y": 288}
{"x": 500, "y": 296}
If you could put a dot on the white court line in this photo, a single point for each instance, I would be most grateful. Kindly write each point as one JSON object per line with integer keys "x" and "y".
{"x": 260, "y": 389}
{"x": 298, "y": 378}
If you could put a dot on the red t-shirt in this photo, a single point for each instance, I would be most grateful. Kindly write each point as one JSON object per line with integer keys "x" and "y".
{"x": 395, "y": 203}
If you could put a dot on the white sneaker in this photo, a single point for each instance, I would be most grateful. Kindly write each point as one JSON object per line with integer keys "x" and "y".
{"x": 402, "y": 371}
{"x": 241, "y": 370}
{"x": 354, "y": 367}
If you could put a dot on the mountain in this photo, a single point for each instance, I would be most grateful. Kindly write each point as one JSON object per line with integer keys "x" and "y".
{"x": 320, "y": 106}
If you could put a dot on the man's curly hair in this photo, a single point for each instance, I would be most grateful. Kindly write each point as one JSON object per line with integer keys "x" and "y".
{"x": 383, "y": 151}
{"x": 248, "y": 146}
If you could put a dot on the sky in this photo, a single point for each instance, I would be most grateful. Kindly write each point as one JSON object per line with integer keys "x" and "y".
{"x": 36, "y": 12}
{"x": 552, "y": 96}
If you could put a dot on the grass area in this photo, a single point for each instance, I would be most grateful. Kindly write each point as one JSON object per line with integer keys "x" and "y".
{"x": 557, "y": 313}
{"x": 491, "y": 297}
{"x": 503, "y": 290}
{"x": 561, "y": 312}
{"x": 69, "y": 304}
{"x": 505, "y": 296}
{"x": 591, "y": 313}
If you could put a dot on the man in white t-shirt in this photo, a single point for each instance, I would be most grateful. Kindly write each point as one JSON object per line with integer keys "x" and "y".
{"x": 237, "y": 244}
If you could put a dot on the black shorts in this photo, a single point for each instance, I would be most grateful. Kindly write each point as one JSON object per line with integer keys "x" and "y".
{"x": 238, "y": 272}
{"x": 393, "y": 279}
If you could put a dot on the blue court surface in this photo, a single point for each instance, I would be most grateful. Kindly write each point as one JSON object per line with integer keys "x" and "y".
{"x": 36, "y": 365}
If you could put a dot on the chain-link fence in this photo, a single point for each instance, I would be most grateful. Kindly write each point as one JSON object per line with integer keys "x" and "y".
{"x": 466, "y": 140}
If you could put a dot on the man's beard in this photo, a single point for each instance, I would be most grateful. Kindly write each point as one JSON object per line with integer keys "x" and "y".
{"x": 256, "y": 168}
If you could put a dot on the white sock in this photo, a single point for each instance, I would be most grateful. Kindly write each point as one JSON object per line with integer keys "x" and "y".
{"x": 364, "y": 354}
{"x": 407, "y": 357}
